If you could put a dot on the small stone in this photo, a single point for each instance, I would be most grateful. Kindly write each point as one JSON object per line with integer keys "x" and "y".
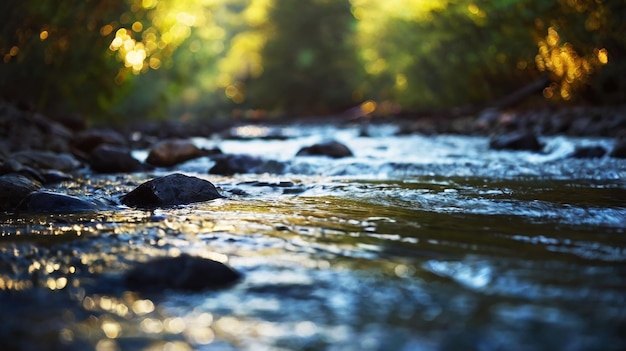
{"x": 171, "y": 152}
{"x": 114, "y": 159}
{"x": 589, "y": 152}
{"x": 87, "y": 141}
{"x": 619, "y": 150}
{"x": 172, "y": 190}
{"x": 245, "y": 164}
{"x": 184, "y": 272}
{"x": 330, "y": 148}
{"x": 516, "y": 141}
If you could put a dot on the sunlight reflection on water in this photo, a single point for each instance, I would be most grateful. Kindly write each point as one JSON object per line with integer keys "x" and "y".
{"x": 428, "y": 243}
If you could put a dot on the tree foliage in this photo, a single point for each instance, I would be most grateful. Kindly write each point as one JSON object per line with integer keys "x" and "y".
{"x": 137, "y": 59}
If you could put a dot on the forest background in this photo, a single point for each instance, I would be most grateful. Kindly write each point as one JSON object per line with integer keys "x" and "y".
{"x": 116, "y": 61}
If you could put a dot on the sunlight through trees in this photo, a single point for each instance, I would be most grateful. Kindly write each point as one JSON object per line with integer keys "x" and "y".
{"x": 200, "y": 58}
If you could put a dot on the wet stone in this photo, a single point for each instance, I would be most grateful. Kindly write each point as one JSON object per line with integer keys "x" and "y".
{"x": 171, "y": 152}
{"x": 589, "y": 152}
{"x": 516, "y": 141}
{"x": 184, "y": 272}
{"x": 172, "y": 190}
{"x": 330, "y": 148}
{"x": 47, "y": 160}
{"x": 53, "y": 176}
{"x": 49, "y": 202}
{"x": 13, "y": 166}
{"x": 619, "y": 150}
{"x": 246, "y": 164}
{"x": 14, "y": 188}
{"x": 114, "y": 159}
{"x": 87, "y": 141}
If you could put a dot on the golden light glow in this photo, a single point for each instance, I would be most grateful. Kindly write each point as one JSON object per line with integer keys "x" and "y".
{"x": 141, "y": 307}
{"x": 106, "y": 30}
{"x": 174, "y": 325}
{"x": 148, "y": 4}
{"x": 368, "y": 107}
{"x": 234, "y": 92}
{"x": 137, "y": 26}
{"x": 111, "y": 329}
{"x": 151, "y": 326}
{"x": 563, "y": 61}
{"x": 401, "y": 81}
{"x": 43, "y": 35}
{"x": 603, "y": 56}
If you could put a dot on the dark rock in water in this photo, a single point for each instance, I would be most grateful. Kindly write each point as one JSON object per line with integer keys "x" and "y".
{"x": 171, "y": 152}
{"x": 619, "y": 150}
{"x": 234, "y": 164}
{"x": 86, "y": 142}
{"x": 516, "y": 141}
{"x": 589, "y": 152}
{"x": 13, "y": 166}
{"x": 331, "y": 148}
{"x": 24, "y": 130}
{"x": 49, "y": 202}
{"x": 72, "y": 121}
{"x": 180, "y": 273}
{"x": 114, "y": 159}
{"x": 47, "y": 160}
{"x": 53, "y": 176}
{"x": 174, "y": 189}
{"x": 14, "y": 188}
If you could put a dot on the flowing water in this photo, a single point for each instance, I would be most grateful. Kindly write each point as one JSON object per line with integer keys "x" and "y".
{"x": 415, "y": 243}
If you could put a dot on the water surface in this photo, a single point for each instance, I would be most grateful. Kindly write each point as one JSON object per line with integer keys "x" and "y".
{"x": 415, "y": 243}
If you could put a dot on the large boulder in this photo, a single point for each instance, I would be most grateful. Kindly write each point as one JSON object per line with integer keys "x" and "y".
{"x": 49, "y": 202}
{"x": 172, "y": 190}
{"x": 516, "y": 141}
{"x": 114, "y": 159}
{"x": 184, "y": 272}
{"x": 168, "y": 153}
{"x": 330, "y": 148}
{"x": 245, "y": 164}
{"x": 14, "y": 188}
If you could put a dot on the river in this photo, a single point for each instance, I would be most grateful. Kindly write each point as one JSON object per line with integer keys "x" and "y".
{"x": 415, "y": 243}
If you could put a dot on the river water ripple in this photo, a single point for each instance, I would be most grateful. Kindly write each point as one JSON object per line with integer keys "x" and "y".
{"x": 415, "y": 243}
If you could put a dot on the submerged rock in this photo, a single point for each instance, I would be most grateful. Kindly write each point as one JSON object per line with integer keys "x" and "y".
{"x": 49, "y": 202}
{"x": 113, "y": 159}
{"x": 241, "y": 164}
{"x": 14, "y": 188}
{"x": 516, "y": 141}
{"x": 171, "y": 152}
{"x": 174, "y": 189}
{"x": 589, "y": 152}
{"x": 330, "y": 148}
{"x": 184, "y": 272}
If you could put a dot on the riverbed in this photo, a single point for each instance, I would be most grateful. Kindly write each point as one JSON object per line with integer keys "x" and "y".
{"x": 414, "y": 243}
